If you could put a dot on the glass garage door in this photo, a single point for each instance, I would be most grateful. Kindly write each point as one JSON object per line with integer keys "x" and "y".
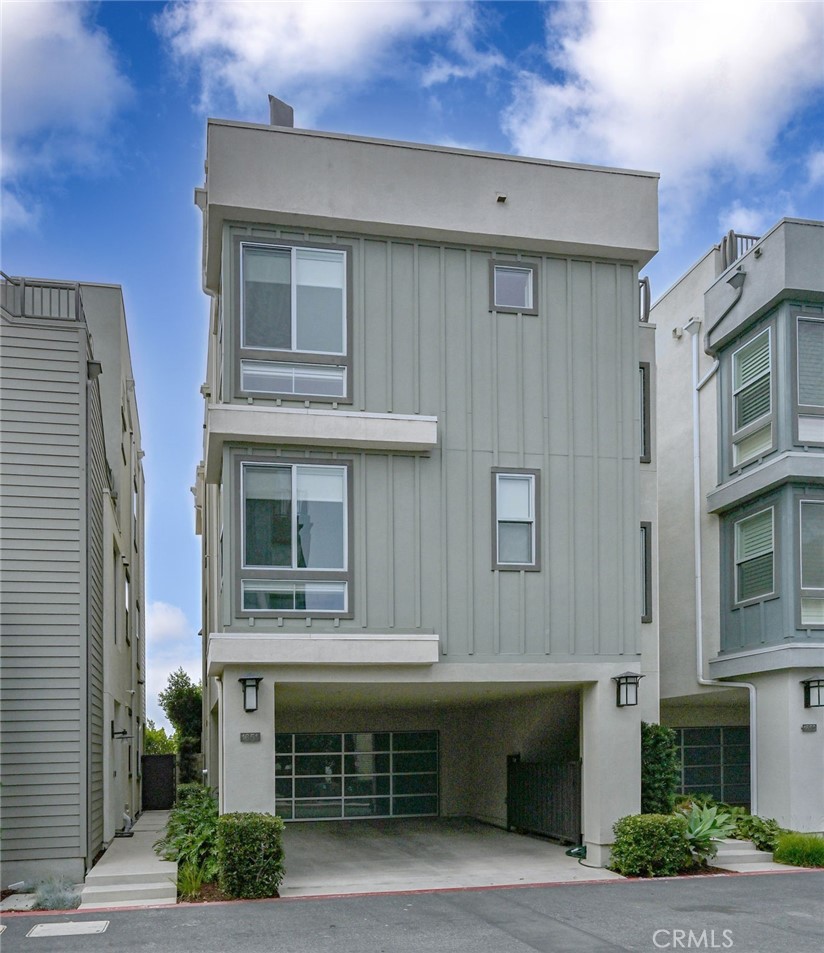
{"x": 357, "y": 774}
{"x": 716, "y": 761}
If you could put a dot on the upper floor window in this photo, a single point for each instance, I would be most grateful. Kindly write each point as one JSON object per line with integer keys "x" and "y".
{"x": 294, "y": 546}
{"x": 646, "y": 572}
{"x": 811, "y": 520}
{"x": 810, "y": 376}
{"x": 512, "y": 288}
{"x": 752, "y": 425}
{"x": 515, "y": 519}
{"x": 645, "y": 410}
{"x": 293, "y": 320}
{"x": 754, "y": 552}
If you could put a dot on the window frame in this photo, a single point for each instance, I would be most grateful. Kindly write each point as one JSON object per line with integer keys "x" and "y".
{"x": 765, "y": 420}
{"x": 646, "y": 552}
{"x": 283, "y": 356}
{"x": 802, "y": 410}
{"x": 646, "y": 411}
{"x": 805, "y": 592}
{"x": 535, "y": 564}
{"x": 517, "y": 266}
{"x": 749, "y": 514}
{"x": 274, "y": 574}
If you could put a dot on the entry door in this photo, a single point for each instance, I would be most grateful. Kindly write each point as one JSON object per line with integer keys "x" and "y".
{"x": 334, "y": 776}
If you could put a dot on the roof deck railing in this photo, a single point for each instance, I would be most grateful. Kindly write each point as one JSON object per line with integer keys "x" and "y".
{"x": 734, "y": 245}
{"x": 37, "y": 298}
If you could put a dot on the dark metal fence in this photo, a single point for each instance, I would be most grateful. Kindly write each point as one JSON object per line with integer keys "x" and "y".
{"x": 158, "y": 771}
{"x": 544, "y": 798}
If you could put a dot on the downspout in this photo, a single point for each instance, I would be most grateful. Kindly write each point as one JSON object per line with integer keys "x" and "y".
{"x": 694, "y": 326}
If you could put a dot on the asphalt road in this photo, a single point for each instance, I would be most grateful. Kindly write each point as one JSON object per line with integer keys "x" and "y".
{"x": 770, "y": 913}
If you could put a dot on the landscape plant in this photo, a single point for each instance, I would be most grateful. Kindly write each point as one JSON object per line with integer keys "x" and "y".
{"x": 56, "y": 893}
{"x": 190, "y": 880}
{"x": 660, "y": 769}
{"x": 182, "y": 701}
{"x": 191, "y": 832}
{"x": 799, "y": 850}
{"x": 651, "y": 845}
{"x": 706, "y": 826}
{"x": 764, "y": 832}
{"x": 250, "y": 855}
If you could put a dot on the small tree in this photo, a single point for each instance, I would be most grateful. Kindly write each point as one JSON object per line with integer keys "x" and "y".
{"x": 660, "y": 769}
{"x": 156, "y": 741}
{"x": 182, "y": 702}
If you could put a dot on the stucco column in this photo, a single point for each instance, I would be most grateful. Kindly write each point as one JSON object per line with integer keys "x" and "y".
{"x": 248, "y": 769}
{"x": 790, "y": 760}
{"x": 611, "y": 766}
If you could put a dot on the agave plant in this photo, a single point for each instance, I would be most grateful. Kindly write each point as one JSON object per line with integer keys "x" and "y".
{"x": 705, "y": 825}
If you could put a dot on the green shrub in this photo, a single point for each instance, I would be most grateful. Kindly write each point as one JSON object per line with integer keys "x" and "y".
{"x": 660, "y": 769}
{"x": 250, "y": 852}
{"x": 800, "y": 850}
{"x": 191, "y": 834}
{"x": 56, "y": 893}
{"x": 705, "y": 825}
{"x": 762, "y": 831}
{"x": 651, "y": 845}
{"x": 190, "y": 880}
{"x": 188, "y": 760}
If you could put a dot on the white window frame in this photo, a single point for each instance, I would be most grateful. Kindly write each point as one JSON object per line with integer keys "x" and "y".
{"x": 739, "y": 434}
{"x": 806, "y": 592}
{"x": 496, "y": 265}
{"x": 810, "y": 413}
{"x": 533, "y": 476}
{"x": 747, "y": 600}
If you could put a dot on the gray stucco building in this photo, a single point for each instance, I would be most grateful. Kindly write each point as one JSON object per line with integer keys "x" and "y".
{"x": 72, "y": 647}
{"x": 421, "y": 488}
{"x": 740, "y": 342}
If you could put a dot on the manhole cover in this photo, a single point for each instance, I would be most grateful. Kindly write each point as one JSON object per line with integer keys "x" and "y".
{"x": 69, "y": 929}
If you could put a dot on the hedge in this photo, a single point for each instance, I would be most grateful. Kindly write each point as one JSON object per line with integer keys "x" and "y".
{"x": 651, "y": 845}
{"x": 250, "y": 855}
{"x": 800, "y": 850}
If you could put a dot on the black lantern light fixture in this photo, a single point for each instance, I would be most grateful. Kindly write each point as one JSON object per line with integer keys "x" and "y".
{"x": 626, "y": 688}
{"x": 813, "y": 692}
{"x": 250, "y": 691}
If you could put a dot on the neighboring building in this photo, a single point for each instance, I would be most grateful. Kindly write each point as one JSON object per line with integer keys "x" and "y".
{"x": 419, "y": 498}
{"x": 71, "y": 530}
{"x": 744, "y": 331}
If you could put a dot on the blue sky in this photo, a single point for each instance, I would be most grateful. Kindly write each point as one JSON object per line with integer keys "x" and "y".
{"x": 103, "y": 137}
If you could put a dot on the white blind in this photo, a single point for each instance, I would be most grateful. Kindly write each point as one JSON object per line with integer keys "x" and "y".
{"x": 267, "y": 483}
{"x": 321, "y": 484}
{"x": 320, "y": 269}
{"x": 752, "y": 360}
{"x": 811, "y": 363}
{"x": 754, "y": 536}
{"x": 812, "y": 545}
{"x": 514, "y": 497}
{"x": 272, "y": 265}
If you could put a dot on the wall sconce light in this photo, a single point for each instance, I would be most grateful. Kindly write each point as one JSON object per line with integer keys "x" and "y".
{"x": 813, "y": 692}
{"x": 250, "y": 691}
{"x": 626, "y": 686}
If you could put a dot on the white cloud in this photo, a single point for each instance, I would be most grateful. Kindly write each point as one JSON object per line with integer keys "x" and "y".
{"x": 311, "y": 52}
{"x": 698, "y": 91}
{"x": 815, "y": 168}
{"x": 754, "y": 218}
{"x": 61, "y": 89}
{"x": 171, "y": 643}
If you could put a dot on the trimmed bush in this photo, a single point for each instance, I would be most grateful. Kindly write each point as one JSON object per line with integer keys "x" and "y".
{"x": 651, "y": 845}
{"x": 250, "y": 855}
{"x": 660, "y": 769}
{"x": 764, "y": 832}
{"x": 800, "y": 850}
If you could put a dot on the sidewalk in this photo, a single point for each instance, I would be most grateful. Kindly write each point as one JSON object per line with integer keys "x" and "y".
{"x": 130, "y": 873}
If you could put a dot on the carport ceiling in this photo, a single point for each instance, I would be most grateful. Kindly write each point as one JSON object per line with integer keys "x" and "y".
{"x": 303, "y": 695}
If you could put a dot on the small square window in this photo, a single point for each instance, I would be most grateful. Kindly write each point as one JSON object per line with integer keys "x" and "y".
{"x": 513, "y": 288}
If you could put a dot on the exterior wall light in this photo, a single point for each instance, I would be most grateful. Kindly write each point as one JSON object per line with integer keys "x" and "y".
{"x": 627, "y": 689}
{"x": 250, "y": 691}
{"x": 813, "y": 692}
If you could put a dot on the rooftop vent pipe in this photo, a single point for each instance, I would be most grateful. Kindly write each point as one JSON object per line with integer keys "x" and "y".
{"x": 280, "y": 113}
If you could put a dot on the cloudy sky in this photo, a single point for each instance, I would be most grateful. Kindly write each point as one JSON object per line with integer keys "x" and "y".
{"x": 103, "y": 133}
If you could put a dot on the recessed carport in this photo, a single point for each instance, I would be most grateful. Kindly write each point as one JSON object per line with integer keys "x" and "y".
{"x": 365, "y": 856}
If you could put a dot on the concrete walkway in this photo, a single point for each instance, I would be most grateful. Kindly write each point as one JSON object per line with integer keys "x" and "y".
{"x": 344, "y": 857}
{"x": 130, "y": 873}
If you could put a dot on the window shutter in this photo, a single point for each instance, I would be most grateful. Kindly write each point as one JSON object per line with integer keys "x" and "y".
{"x": 811, "y": 363}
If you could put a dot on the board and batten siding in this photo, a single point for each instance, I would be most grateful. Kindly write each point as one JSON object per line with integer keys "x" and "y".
{"x": 556, "y": 392}
{"x": 41, "y": 653}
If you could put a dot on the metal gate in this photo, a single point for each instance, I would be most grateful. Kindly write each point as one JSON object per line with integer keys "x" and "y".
{"x": 158, "y": 772}
{"x": 544, "y": 798}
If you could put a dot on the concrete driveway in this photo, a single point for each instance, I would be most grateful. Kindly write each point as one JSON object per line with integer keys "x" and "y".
{"x": 343, "y": 857}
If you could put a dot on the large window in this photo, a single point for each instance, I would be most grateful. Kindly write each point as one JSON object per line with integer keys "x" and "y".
{"x": 293, "y": 320}
{"x": 810, "y": 374}
{"x": 752, "y": 425}
{"x": 715, "y": 761}
{"x": 515, "y": 519}
{"x": 754, "y": 556}
{"x": 294, "y": 524}
{"x": 811, "y": 520}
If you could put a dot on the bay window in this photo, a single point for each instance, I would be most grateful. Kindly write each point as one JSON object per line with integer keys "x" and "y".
{"x": 811, "y": 524}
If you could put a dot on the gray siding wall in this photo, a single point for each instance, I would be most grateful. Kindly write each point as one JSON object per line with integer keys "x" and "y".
{"x": 96, "y": 483}
{"x": 41, "y": 650}
{"x": 556, "y": 392}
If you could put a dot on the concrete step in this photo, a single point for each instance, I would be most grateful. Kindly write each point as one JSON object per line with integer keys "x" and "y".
{"x": 104, "y": 879}
{"x": 126, "y": 903}
{"x": 732, "y": 851}
{"x": 114, "y": 894}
